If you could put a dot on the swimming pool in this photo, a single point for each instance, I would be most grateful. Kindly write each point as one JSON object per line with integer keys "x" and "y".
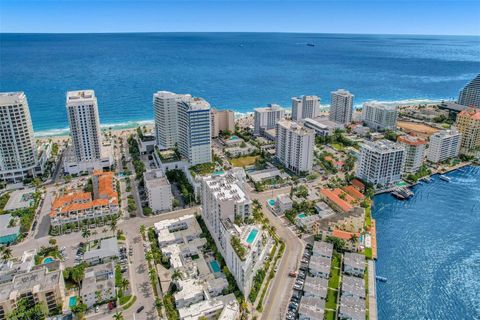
{"x": 72, "y": 302}
{"x": 215, "y": 266}
{"x": 301, "y": 215}
{"x": 48, "y": 260}
{"x": 251, "y": 236}
{"x": 218, "y": 172}
{"x": 233, "y": 138}
{"x": 271, "y": 202}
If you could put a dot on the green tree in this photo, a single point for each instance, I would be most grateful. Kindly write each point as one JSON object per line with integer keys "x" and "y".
{"x": 86, "y": 233}
{"x": 26, "y": 310}
{"x": 124, "y": 284}
{"x": 113, "y": 225}
{"x": 118, "y": 316}
{"x": 6, "y": 253}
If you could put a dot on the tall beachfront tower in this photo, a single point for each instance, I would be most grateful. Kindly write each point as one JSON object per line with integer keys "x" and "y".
{"x": 18, "y": 155}
{"x": 194, "y": 130}
{"x": 82, "y": 111}
{"x": 222, "y": 120}
{"x": 381, "y": 162}
{"x": 379, "y": 116}
{"x": 266, "y": 118}
{"x": 294, "y": 146}
{"x": 165, "y": 106}
{"x": 341, "y": 106}
{"x": 305, "y": 107}
{"x": 470, "y": 94}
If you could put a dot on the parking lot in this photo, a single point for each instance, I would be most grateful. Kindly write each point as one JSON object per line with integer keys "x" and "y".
{"x": 297, "y": 294}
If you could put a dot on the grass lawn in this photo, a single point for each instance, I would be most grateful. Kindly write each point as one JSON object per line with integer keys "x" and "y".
{"x": 333, "y": 283}
{"x": 368, "y": 253}
{"x": 337, "y": 147}
{"x": 243, "y": 161}
{"x": 330, "y": 315}
{"x": 368, "y": 217}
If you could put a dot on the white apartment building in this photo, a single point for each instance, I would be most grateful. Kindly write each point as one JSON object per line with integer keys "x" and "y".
{"x": 158, "y": 190}
{"x": 444, "y": 145}
{"x": 305, "y": 107}
{"x": 222, "y": 120}
{"x": 381, "y": 162}
{"x": 86, "y": 152}
{"x": 184, "y": 121}
{"x": 414, "y": 152}
{"x": 294, "y": 146}
{"x": 18, "y": 152}
{"x": 165, "y": 106}
{"x": 243, "y": 246}
{"x": 379, "y": 116}
{"x": 266, "y": 118}
{"x": 341, "y": 106}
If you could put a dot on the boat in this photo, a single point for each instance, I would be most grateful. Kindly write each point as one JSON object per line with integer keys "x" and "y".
{"x": 310, "y": 44}
{"x": 427, "y": 179}
{"x": 402, "y": 193}
{"x": 445, "y": 178}
{"x": 382, "y": 279}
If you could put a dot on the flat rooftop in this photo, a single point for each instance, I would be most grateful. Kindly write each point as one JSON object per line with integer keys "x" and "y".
{"x": 80, "y": 95}
{"x": 36, "y": 280}
{"x": 155, "y": 178}
{"x": 12, "y": 97}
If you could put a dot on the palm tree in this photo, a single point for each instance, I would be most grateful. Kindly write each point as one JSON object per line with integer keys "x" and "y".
{"x": 176, "y": 275}
{"x": 113, "y": 225}
{"x": 86, "y": 233}
{"x": 142, "y": 229}
{"x": 149, "y": 256}
{"x": 98, "y": 296}
{"x": 124, "y": 284}
{"x": 118, "y": 316}
{"x": 6, "y": 253}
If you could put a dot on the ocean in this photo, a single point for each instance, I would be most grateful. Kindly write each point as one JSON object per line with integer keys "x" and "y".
{"x": 428, "y": 249}
{"x": 239, "y": 71}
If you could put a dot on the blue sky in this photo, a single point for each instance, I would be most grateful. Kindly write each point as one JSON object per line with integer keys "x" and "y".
{"x": 380, "y": 16}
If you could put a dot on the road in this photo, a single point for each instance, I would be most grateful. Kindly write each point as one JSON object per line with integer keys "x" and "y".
{"x": 281, "y": 288}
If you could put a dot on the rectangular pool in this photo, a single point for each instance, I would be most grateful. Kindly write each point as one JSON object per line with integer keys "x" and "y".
{"x": 215, "y": 266}
{"x": 72, "y": 302}
{"x": 251, "y": 236}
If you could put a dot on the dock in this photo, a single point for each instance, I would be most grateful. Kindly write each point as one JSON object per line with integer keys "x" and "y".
{"x": 373, "y": 235}
{"x": 372, "y": 291}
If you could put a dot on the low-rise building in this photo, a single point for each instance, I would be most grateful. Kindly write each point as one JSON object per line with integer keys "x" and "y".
{"x": 177, "y": 230}
{"x": 310, "y": 223}
{"x": 283, "y": 203}
{"x": 107, "y": 250}
{"x": 8, "y": 233}
{"x": 338, "y": 199}
{"x": 322, "y": 126}
{"x": 210, "y": 308}
{"x": 189, "y": 292}
{"x": 311, "y": 309}
{"x": 158, "y": 190}
{"x": 322, "y": 249}
{"x": 40, "y": 285}
{"x": 315, "y": 287}
{"x": 320, "y": 267}
{"x": 353, "y": 287}
{"x": 76, "y": 207}
{"x": 354, "y": 264}
{"x": 346, "y": 312}
{"x": 98, "y": 284}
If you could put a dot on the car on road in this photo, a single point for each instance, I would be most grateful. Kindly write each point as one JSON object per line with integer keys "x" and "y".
{"x": 140, "y": 309}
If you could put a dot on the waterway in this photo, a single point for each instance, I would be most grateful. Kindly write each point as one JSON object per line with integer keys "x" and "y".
{"x": 429, "y": 250}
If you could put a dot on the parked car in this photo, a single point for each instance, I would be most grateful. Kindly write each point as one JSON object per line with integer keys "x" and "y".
{"x": 140, "y": 309}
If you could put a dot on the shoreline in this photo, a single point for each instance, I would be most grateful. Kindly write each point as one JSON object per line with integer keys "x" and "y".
{"x": 128, "y": 125}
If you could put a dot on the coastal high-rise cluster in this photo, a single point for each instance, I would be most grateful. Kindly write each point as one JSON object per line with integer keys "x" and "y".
{"x": 341, "y": 106}
{"x": 183, "y": 122}
{"x": 470, "y": 95}
{"x": 305, "y": 107}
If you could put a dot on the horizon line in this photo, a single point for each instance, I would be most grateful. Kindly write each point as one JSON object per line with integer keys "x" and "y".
{"x": 279, "y": 32}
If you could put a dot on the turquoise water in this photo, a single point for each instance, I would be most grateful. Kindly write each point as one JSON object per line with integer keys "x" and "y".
{"x": 251, "y": 236}
{"x": 215, "y": 266}
{"x": 271, "y": 202}
{"x": 126, "y": 69}
{"x": 72, "y": 301}
{"x": 233, "y": 138}
{"x": 428, "y": 249}
{"x": 48, "y": 260}
{"x": 218, "y": 172}
{"x": 301, "y": 215}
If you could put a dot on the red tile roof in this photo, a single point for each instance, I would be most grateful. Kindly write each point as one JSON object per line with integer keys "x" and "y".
{"x": 334, "y": 196}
